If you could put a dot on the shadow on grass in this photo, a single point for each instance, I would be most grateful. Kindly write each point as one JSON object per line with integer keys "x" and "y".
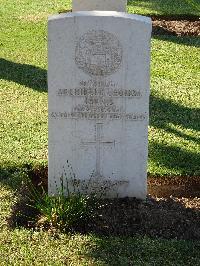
{"x": 27, "y": 75}
{"x": 11, "y": 175}
{"x": 175, "y": 159}
{"x": 183, "y": 40}
{"x": 144, "y": 251}
{"x": 14, "y": 175}
{"x": 164, "y": 111}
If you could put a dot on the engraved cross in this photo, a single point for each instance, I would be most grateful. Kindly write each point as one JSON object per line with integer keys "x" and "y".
{"x": 98, "y": 142}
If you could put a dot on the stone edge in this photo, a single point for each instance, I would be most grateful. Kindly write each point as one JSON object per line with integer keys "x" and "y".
{"x": 114, "y": 14}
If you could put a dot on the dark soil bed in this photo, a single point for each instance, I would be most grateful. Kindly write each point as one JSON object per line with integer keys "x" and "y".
{"x": 170, "y": 217}
{"x": 156, "y": 217}
{"x": 176, "y": 27}
{"x": 177, "y": 186}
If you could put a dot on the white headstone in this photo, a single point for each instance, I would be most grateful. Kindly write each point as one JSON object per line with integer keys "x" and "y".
{"x": 106, "y": 5}
{"x": 98, "y": 86}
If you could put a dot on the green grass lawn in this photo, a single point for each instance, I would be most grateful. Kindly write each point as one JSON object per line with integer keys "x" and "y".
{"x": 164, "y": 7}
{"x": 174, "y": 143}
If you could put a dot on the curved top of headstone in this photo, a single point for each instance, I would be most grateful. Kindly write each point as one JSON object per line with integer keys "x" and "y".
{"x": 88, "y": 5}
{"x": 113, "y": 14}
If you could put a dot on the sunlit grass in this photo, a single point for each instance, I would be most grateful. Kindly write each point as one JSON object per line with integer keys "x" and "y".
{"x": 173, "y": 134}
{"x": 164, "y": 7}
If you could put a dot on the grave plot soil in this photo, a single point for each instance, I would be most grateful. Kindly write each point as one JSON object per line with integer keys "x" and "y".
{"x": 170, "y": 217}
{"x": 177, "y": 186}
{"x": 176, "y": 27}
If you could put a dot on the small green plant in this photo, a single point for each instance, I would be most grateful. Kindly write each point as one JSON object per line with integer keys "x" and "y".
{"x": 61, "y": 211}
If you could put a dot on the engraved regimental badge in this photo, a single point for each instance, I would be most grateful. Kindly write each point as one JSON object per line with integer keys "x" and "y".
{"x": 98, "y": 53}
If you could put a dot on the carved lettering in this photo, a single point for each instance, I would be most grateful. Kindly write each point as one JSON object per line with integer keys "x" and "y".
{"x": 98, "y": 101}
{"x": 82, "y": 92}
{"x": 99, "y": 115}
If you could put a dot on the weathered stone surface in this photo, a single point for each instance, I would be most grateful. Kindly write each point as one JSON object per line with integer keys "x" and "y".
{"x": 105, "y": 5}
{"x": 98, "y": 85}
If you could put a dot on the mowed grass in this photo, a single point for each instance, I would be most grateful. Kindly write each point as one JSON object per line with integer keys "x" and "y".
{"x": 164, "y": 7}
{"x": 173, "y": 134}
{"x": 174, "y": 138}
